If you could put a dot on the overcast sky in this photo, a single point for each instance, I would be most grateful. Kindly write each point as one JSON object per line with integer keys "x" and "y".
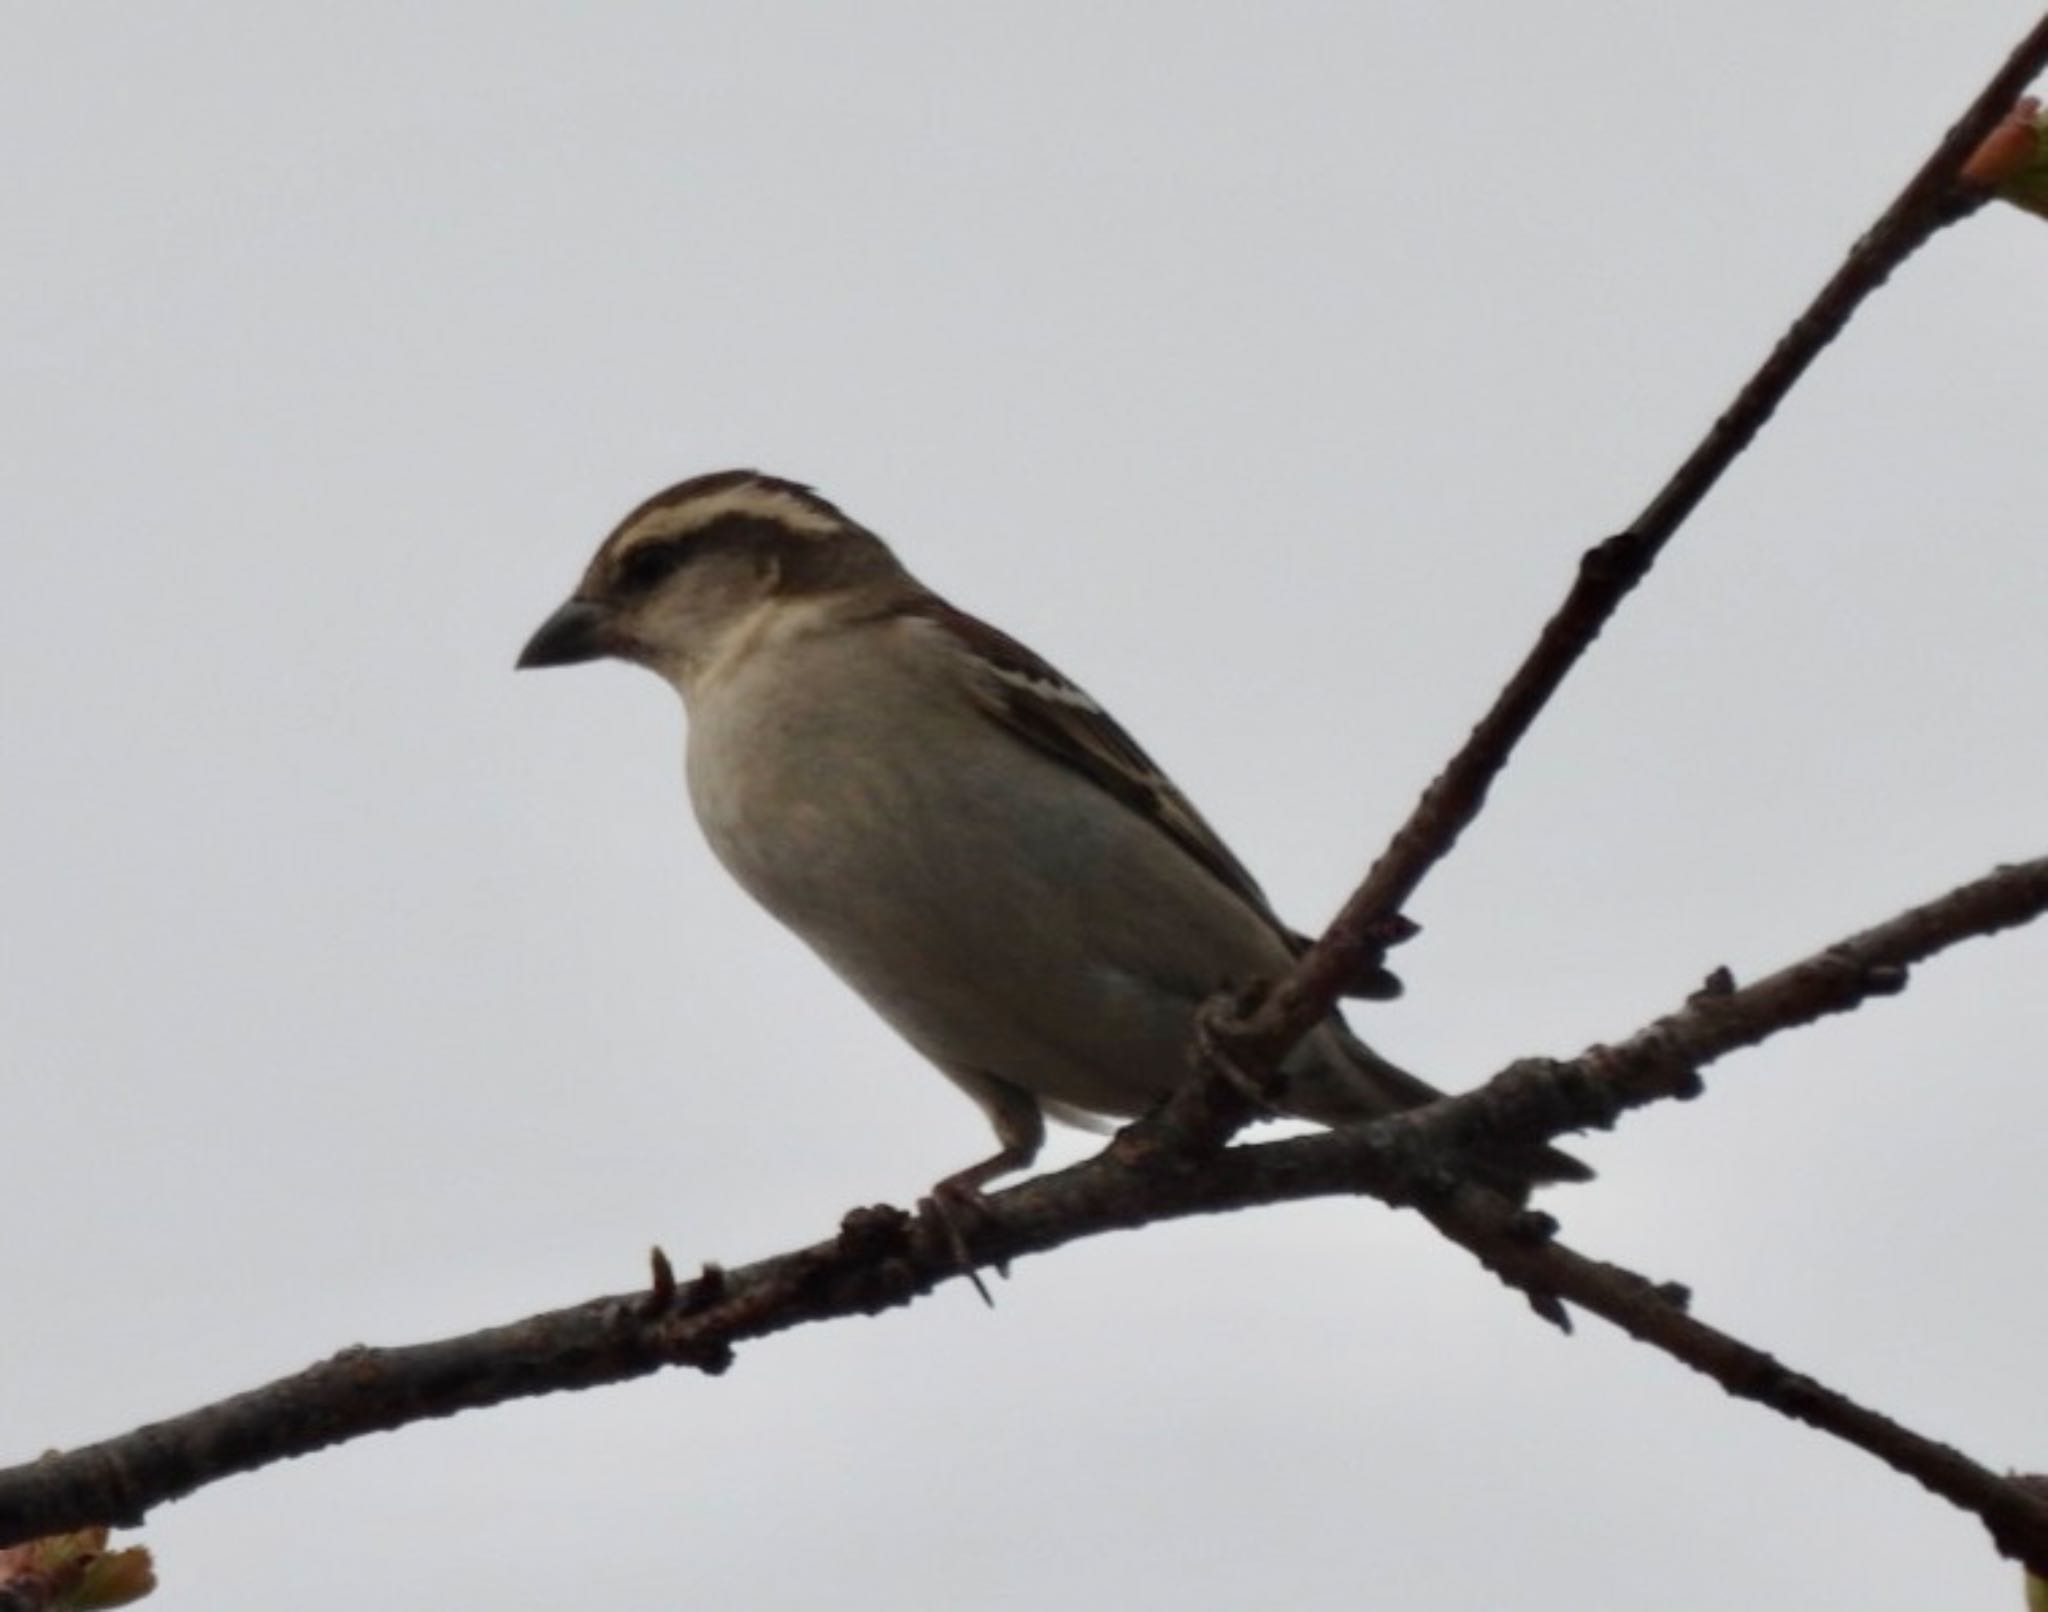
{"x": 1267, "y": 367}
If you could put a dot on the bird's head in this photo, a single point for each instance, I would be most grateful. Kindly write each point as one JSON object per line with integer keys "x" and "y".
{"x": 696, "y": 572}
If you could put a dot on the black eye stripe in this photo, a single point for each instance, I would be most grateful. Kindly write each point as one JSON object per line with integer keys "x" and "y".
{"x": 655, "y": 559}
{"x": 645, "y": 564}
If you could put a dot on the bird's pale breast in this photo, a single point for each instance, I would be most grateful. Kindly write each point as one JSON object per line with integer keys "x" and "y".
{"x": 1003, "y": 913}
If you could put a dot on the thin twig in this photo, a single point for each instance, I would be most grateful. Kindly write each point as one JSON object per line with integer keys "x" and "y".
{"x": 1656, "y": 1314}
{"x": 1536, "y": 1099}
{"x": 1611, "y": 569}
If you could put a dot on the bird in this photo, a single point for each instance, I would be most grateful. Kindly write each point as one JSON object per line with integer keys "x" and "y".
{"x": 957, "y": 830}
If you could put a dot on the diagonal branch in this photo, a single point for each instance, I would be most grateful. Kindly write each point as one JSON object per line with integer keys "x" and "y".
{"x": 1352, "y": 946}
{"x": 1656, "y": 1314}
{"x": 883, "y": 1258}
{"x": 1535, "y": 1099}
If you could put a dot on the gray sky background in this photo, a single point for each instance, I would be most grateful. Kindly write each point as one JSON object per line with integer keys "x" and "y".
{"x": 1267, "y": 367}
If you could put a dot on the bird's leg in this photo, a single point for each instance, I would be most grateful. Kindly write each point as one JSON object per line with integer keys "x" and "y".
{"x": 956, "y": 1200}
{"x": 964, "y": 1186}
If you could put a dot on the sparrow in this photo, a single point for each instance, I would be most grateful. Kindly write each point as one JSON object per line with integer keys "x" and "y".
{"x": 959, "y": 832}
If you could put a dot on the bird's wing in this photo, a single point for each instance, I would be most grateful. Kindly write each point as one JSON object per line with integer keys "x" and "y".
{"x": 1030, "y": 698}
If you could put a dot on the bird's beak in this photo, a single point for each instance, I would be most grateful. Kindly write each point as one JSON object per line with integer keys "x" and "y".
{"x": 579, "y": 631}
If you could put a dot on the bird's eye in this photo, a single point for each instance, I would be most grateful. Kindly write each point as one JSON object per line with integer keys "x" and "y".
{"x": 646, "y": 565}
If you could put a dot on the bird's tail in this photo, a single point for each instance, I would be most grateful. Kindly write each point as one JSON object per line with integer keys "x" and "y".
{"x": 1351, "y": 1082}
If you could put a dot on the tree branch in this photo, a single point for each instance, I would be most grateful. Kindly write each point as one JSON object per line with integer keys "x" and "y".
{"x": 1352, "y": 947}
{"x": 883, "y": 1258}
{"x": 1535, "y": 1099}
{"x": 2016, "y": 1518}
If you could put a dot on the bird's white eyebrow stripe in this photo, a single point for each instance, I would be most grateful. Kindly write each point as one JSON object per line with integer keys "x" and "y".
{"x": 785, "y": 508}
